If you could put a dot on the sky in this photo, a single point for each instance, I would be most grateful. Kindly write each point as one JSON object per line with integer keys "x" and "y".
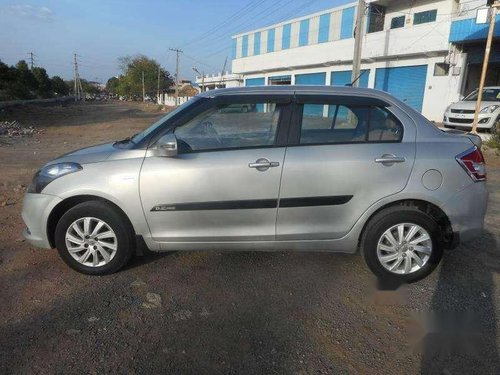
{"x": 100, "y": 31}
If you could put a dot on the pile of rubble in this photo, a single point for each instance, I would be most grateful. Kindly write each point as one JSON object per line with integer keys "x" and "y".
{"x": 15, "y": 129}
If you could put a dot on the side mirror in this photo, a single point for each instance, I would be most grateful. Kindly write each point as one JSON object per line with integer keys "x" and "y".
{"x": 166, "y": 146}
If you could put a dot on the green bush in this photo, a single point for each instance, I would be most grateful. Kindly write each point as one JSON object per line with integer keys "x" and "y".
{"x": 494, "y": 141}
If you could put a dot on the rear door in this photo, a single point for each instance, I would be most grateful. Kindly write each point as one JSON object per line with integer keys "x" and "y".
{"x": 345, "y": 154}
{"x": 224, "y": 183}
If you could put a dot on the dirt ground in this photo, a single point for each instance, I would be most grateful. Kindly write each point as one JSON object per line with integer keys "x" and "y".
{"x": 224, "y": 312}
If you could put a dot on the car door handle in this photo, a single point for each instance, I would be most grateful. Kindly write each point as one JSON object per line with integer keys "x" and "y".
{"x": 263, "y": 164}
{"x": 390, "y": 159}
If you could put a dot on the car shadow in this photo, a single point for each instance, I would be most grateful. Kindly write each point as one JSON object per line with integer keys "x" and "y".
{"x": 146, "y": 257}
{"x": 461, "y": 326}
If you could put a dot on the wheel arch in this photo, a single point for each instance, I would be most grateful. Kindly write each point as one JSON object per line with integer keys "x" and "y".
{"x": 429, "y": 208}
{"x": 62, "y": 207}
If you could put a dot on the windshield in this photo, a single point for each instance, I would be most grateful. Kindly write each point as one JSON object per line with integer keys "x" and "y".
{"x": 142, "y": 135}
{"x": 489, "y": 95}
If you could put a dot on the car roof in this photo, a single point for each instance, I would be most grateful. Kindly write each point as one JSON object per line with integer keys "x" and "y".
{"x": 296, "y": 89}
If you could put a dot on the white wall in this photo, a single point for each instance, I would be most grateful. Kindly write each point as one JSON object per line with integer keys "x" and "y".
{"x": 419, "y": 39}
{"x": 166, "y": 99}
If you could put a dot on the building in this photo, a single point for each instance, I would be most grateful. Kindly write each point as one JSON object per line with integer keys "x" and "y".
{"x": 425, "y": 52}
{"x": 218, "y": 81}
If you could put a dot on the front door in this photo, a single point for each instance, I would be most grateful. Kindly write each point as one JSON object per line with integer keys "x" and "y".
{"x": 344, "y": 156}
{"x": 224, "y": 183}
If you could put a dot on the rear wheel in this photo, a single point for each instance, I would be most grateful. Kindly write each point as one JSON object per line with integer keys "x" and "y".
{"x": 402, "y": 244}
{"x": 94, "y": 238}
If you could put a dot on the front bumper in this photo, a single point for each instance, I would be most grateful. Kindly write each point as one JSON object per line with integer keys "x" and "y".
{"x": 35, "y": 214}
{"x": 466, "y": 211}
{"x": 459, "y": 120}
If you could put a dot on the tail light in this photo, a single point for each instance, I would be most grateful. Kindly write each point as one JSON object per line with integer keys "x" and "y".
{"x": 472, "y": 161}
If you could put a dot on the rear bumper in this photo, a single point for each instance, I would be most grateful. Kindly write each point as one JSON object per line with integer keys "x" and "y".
{"x": 466, "y": 211}
{"x": 36, "y": 211}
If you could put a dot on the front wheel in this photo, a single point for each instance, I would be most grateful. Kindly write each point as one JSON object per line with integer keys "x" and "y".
{"x": 494, "y": 127}
{"x": 402, "y": 244}
{"x": 93, "y": 238}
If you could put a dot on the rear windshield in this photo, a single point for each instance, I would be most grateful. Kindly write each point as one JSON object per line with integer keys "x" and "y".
{"x": 489, "y": 95}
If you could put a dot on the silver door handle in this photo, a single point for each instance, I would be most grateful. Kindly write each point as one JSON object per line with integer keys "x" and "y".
{"x": 389, "y": 158}
{"x": 263, "y": 164}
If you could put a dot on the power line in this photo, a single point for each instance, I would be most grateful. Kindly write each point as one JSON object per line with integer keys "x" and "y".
{"x": 210, "y": 39}
{"x": 235, "y": 16}
{"x": 268, "y": 11}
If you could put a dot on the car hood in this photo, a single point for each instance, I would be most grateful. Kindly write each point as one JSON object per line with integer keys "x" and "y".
{"x": 468, "y": 104}
{"x": 92, "y": 154}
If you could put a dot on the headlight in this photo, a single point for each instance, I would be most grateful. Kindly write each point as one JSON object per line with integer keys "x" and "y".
{"x": 489, "y": 109}
{"x": 49, "y": 173}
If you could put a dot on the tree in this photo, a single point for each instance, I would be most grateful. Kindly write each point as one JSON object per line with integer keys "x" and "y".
{"x": 25, "y": 83}
{"x": 130, "y": 82}
{"x": 44, "y": 85}
{"x": 188, "y": 90}
{"x": 59, "y": 87}
{"x": 112, "y": 85}
{"x": 6, "y": 80}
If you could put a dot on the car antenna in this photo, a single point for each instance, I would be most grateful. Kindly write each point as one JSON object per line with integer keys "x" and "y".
{"x": 356, "y": 80}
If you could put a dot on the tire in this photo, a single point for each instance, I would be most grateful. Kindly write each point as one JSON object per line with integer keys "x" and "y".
{"x": 494, "y": 127}
{"x": 116, "y": 231}
{"x": 409, "y": 217}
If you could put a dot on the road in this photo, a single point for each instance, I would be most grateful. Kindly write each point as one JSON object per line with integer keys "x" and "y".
{"x": 230, "y": 312}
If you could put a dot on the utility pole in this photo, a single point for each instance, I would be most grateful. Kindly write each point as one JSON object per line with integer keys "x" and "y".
{"x": 158, "y": 92}
{"x": 202, "y": 74}
{"x": 358, "y": 41}
{"x": 32, "y": 59}
{"x": 222, "y": 73}
{"x": 177, "y": 51}
{"x": 77, "y": 85}
{"x": 143, "y": 88}
{"x": 487, "y": 50}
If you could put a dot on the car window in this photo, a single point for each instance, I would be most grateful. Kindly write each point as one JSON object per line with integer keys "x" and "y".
{"x": 331, "y": 123}
{"x": 489, "y": 95}
{"x": 230, "y": 126}
{"x": 327, "y": 123}
{"x": 384, "y": 126}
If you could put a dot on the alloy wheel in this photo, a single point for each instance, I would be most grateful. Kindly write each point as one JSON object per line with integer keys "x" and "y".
{"x": 404, "y": 248}
{"x": 91, "y": 242}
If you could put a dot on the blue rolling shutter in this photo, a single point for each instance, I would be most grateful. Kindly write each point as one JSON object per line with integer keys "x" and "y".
{"x": 310, "y": 79}
{"x": 255, "y": 81}
{"x": 344, "y": 77}
{"x": 406, "y": 83}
